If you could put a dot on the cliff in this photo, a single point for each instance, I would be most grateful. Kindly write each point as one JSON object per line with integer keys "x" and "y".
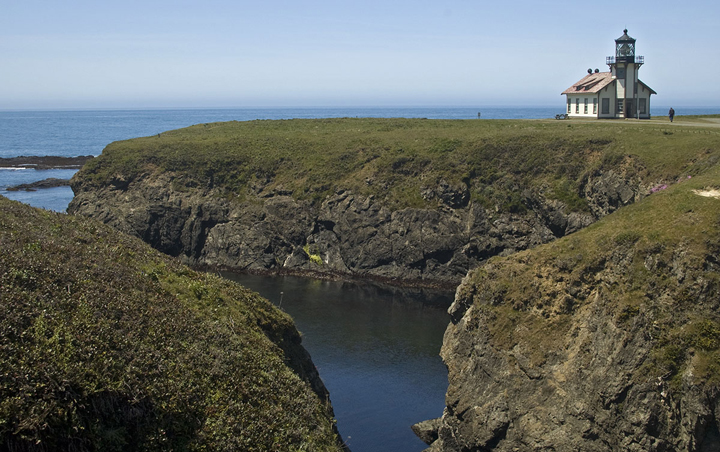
{"x": 605, "y": 340}
{"x": 106, "y": 344}
{"x": 405, "y": 200}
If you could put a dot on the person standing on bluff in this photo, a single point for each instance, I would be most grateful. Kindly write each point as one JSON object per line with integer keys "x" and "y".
{"x": 671, "y": 114}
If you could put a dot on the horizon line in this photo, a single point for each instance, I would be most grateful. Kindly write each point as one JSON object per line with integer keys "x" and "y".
{"x": 328, "y": 107}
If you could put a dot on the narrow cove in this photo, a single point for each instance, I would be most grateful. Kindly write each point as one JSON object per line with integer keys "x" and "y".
{"x": 377, "y": 350}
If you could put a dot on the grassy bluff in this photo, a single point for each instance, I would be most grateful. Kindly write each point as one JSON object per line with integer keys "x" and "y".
{"x": 414, "y": 200}
{"x": 106, "y": 344}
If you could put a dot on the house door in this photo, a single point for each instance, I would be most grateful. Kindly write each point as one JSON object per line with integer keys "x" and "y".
{"x": 629, "y": 108}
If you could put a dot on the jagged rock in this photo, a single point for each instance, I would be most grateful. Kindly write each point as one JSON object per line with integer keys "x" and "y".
{"x": 567, "y": 402}
{"x": 298, "y": 259}
{"x": 609, "y": 190}
{"x": 349, "y": 234}
{"x": 577, "y": 221}
{"x": 451, "y": 196}
{"x": 427, "y": 430}
{"x": 45, "y": 162}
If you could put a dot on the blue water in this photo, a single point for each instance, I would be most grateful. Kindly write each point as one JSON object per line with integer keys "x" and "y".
{"x": 56, "y": 198}
{"x": 376, "y": 350}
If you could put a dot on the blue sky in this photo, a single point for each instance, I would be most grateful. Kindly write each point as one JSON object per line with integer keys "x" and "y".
{"x": 217, "y": 53}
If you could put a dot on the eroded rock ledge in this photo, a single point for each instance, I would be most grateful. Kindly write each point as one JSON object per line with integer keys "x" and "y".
{"x": 345, "y": 234}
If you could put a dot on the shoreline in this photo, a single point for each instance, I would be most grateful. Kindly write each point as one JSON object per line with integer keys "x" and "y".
{"x": 433, "y": 285}
{"x": 50, "y": 182}
{"x": 45, "y": 162}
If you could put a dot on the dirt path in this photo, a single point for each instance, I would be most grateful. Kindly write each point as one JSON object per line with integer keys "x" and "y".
{"x": 704, "y": 122}
{"x": 714, "y": 122}
{"x": 679, "y": 122}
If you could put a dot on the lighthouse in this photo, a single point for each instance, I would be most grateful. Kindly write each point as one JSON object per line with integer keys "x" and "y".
{"x": 624, "y": 66}
{"x": 618, "y": 93}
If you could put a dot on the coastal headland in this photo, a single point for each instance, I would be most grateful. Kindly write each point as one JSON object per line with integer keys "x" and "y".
{"x": 402, "y": 200}
{"x": 604, "y": 340}
{"x": 587, "y": 312}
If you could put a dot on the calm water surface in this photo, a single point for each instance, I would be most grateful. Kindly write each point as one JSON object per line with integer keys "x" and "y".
{"x": 376, "y": 350}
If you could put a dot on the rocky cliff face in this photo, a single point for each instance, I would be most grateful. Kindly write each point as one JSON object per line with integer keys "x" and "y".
{"x": 345, "y": 233}
{"x": 606, "y": 340}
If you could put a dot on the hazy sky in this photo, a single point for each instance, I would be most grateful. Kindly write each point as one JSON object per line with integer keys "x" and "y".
{"x": 218, "y": 53}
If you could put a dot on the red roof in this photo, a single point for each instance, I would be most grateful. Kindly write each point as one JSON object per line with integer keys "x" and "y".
{"x": 591, "y": 83}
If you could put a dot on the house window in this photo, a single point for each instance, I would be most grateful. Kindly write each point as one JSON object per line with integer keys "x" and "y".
{"x": 586, "y": 103}
{"x": 620, "y": 105}
{"x": 577, "y": 106}
{"x": 569, "y": 106}
{"x": 643, "y": 105}
{"x": 606, "y": 106}
{"x": 595, "y": 105}
{"x": 621, "y": 72}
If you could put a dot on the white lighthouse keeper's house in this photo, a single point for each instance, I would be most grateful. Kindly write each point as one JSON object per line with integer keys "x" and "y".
{"x": 615, "y": 94}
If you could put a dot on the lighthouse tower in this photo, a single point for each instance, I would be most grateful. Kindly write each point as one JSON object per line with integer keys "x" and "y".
{"x": 624, "y": 67}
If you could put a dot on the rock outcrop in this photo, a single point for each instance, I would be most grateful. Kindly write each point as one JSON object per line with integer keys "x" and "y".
{"x": 345, "y": 233}
{"x": 51, "y": 182}
{"x": 45, "y": 162}
{"x": 605, "y": 340}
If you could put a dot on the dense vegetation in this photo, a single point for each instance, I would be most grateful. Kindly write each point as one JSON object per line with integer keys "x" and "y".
{"x": 654, "y": 265}
{"x": 107, "y": 345}
{"x": 394, "y": 159}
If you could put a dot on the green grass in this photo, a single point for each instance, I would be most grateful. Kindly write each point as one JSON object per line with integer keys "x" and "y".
{"x": 107, "y": 345}
{"x": 394, "y": 159}
{"x": 563, "y": 190}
